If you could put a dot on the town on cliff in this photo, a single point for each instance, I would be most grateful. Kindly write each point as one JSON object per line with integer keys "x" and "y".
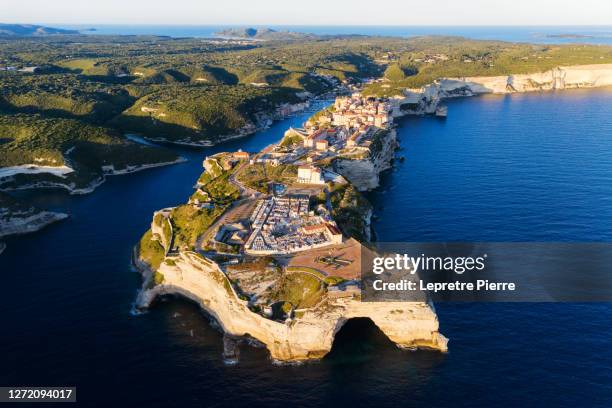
{"x": 270, "y": 243}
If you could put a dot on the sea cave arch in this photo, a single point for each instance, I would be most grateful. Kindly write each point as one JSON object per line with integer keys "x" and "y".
{"x": 359, "y": 336}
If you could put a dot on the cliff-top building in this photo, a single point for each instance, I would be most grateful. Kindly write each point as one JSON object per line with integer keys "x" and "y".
{"x": 310, "y": 175}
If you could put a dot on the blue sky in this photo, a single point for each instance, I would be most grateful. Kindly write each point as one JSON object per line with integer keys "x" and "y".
{"x": 309, "y": 12}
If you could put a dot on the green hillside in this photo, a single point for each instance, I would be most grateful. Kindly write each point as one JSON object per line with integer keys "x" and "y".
{"x": 34, "y": 139}
{"x": 196, "y": 112}
{"x": 66, "y": 95}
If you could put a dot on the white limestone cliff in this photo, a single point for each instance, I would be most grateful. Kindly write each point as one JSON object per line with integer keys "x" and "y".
{"x": 563, "y": 77}
{"x": 365, "y": 174}
{"x": 408, "y": 324}
{"x": 577, "y": 76}
{"x": 18, "y": 223}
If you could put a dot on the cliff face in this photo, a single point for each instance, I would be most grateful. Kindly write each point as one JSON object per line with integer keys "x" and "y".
{"x": 365, "y": 174}
{"x": 18, "y": 218}
{"x": 24, "y": 223}
{"x": 578, "y": 76}
{"x": 308, "y": 337}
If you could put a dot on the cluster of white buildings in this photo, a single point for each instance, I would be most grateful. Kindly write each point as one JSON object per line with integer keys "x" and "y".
{"x": 356, "y": 110}
{"x": 350, "y": 121}
{"x": 283, "y": 225}
{"x": 350, "y": 124}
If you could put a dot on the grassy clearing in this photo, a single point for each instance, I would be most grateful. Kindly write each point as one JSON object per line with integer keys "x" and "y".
{"x": 291, "y": 139}
{"x": 258, "y": 176}
{"x": 189, "y": 222}
{"x": 301, "y": 290}
{"x": 150, "y": 251}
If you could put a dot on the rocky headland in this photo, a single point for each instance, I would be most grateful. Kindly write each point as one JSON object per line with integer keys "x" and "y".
{"x": 18, "y": 223}
{"x": 47, "y": 177}
{"x": 310, "y": 336}
{"x": 16, "y": 218}
{"x": 301, "y": 332}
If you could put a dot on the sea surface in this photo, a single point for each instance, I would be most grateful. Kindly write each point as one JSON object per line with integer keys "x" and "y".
{"x": 532, "y": 34}
{"x": 531, "y": 167}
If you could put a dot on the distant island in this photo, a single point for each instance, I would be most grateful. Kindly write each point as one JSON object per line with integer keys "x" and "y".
{"x": 26, "y": 30}
{"x": 262, "y": 34}
{"x": 569, "y": 35}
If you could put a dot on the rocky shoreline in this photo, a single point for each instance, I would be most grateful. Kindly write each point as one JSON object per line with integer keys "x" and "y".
{"x": 365, "y": 174}
{"x": 17, "y": 218}
{"x": 427, "y": 99}
{"x": 28, "y": 220}
{"x": 74, "y": 190}
{"x": 18, "y": 223}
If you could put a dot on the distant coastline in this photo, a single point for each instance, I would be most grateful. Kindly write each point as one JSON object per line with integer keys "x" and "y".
{"x": 534, "y": 34}
{"x": 26, "y": 30}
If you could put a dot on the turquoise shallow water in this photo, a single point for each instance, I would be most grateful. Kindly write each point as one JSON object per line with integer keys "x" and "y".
{"x": 534, "y": 167}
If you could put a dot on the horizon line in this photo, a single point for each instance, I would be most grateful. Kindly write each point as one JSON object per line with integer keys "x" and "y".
{"x": 309, "y": 25}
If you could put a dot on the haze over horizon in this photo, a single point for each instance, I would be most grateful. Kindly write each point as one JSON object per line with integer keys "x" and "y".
{"x": 314, "y": 12}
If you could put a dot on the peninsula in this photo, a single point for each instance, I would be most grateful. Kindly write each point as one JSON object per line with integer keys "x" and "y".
{"x": 251, "y": 33}
{"x": 270, "y": 243}
{"x": 32, "y": 30}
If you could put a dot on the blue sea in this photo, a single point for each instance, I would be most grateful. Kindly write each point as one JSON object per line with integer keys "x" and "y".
{"x": 530, "y": 167}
